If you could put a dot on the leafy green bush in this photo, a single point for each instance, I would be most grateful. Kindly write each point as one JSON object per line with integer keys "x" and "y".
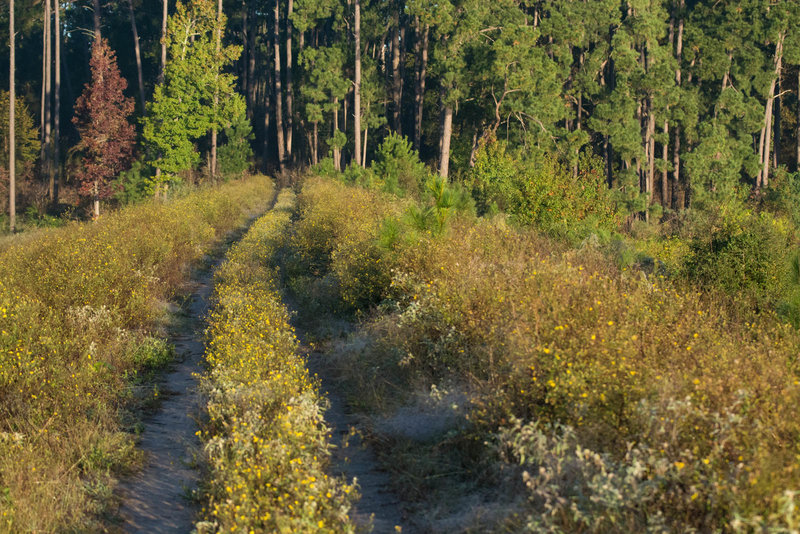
{"x": 537, "y": 190}
{"x": 742, "y": 253}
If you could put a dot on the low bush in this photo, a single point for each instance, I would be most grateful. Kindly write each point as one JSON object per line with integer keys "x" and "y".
{"x": 81, "y": 314}
{"x": 265, "y": 440}
{"x": 743, "y": 253}
{"x": 537, "y": 190}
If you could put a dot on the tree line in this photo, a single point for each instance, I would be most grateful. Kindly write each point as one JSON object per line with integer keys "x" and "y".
{"x": 677, "y": 101}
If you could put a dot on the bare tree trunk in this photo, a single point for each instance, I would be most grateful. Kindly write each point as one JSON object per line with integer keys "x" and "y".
{"x": 364, "y": 154}
{"x": 289, "y": 84}
{"x": 776, "y": 117}
{"x": 12, "y": 142}
{"x": 337, "y": 153}
{"x": 419, "y": 96}
{"x": 676, "y": 144}
{"x": 164, "y": 16}
{"x": 96, "y": 203}
{"x": 276, "y": 47}
{"x": 397, "y": 80}
{"x": 243, "y": 78}
{"x": 651, "y": 152}
{"x": 55, "y": 169}
{"x": 45, "y": 78}
{"x": 96, "y": 15}
{"x": 665, "y": 200}
{"x": 764, "y": 145}
{"x": 138, "y": 54}
{"x": 447, "y": 131}
{"x": 357, "y": 82}
{"x": 315, "y": 145}
{"x": 251, "y": 70}
{"x": 797, "y": 134}
{"x": 218, "y": 37}
{"x": 47, "y": 118}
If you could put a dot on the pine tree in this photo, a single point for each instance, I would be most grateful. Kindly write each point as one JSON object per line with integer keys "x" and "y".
{"x": 102, "y": 118}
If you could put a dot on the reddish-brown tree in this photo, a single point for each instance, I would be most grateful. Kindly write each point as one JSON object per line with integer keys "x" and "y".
{"x": 102, "y": 118}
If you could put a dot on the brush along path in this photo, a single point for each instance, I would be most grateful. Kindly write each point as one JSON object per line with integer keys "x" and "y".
{"x": 266, "y": 444}
{"x": 80, "y": 322}
{"x": 159, "y": 497}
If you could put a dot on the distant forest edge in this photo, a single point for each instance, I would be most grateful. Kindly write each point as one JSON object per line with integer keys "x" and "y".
{"x": 670, "y": 103}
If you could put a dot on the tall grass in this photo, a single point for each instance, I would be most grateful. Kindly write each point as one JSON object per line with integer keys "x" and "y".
{"x": 82, "y": 310}
{"x": 626, "y": 401}
{"x": 266, "y": 442}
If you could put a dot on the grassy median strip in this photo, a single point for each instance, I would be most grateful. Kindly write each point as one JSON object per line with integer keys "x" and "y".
{"x": 81, "y": 314}
{"x": 265, "y": 441}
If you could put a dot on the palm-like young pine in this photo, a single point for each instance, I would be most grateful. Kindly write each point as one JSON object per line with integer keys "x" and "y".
{"x": 102, "y": 118}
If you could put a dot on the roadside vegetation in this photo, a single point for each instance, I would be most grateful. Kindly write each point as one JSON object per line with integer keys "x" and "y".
{"x": 83, "y": 311}
{"x": 611, "y": 381}
{"x": 266, "y": 444}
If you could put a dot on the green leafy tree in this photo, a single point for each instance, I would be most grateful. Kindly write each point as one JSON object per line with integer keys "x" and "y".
{"x": 182, "y": 109}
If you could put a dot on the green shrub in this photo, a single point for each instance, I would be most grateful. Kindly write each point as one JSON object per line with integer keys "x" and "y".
{"x": 538, "y": 190}
{"x": 742, "y": 253}
{"x": 234, "y": 156}
{"x": 133, "y": 185}
{"x": 398, "y": 168}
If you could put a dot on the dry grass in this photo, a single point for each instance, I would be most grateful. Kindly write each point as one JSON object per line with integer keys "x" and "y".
{"x": 80, "y": 313}
{"x": 684, "y": 404}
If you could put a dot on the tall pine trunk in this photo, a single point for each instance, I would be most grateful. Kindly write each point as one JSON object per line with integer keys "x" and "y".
{"x": 665, "y": 200}
{"x": 138, "y": 54}
{"x": 337, "y": 153}
{"x": 96, "y": 18}
{"x": 776, "y": 117}
{"x": 55, "y": 169}
{"x": 797, "y": 134}
{"x": 397, "y": 79}
{"x": 289, "y": 83}
{"x": 419, "y": 96}
{"x": 164, "y": 16}
{"x": 276, "y": 47}
{"x": 251, "y": 68}
{"x": 47, "y": 93}
{"x": 676, "y": 136}
{"x": 444, "y": 143}
{"x": 218, "y": 47}
{"x": 12, "y": 104}
{"x": 766, "y": 131}
{"x": 357, "y": 82}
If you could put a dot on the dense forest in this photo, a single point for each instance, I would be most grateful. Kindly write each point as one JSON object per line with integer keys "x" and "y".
{"x": 671, "y": 102}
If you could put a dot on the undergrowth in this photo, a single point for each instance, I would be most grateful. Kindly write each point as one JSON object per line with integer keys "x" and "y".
{"x": 620, "y": 399}
{"x": 82, "y": 311}
{"x": 266, "y": 444}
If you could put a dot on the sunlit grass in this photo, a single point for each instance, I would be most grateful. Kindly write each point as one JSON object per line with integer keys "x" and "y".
{"x": 81, "y": 310}
{"x": 266, "y": 444}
